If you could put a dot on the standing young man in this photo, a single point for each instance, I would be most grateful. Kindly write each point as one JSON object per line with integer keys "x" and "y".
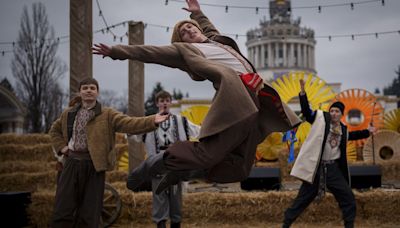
{"x": 322, "y": 161}
{"x": 244, "y": 109}
{"x": 85, "y": 135}
{"x": 167, "y": 204}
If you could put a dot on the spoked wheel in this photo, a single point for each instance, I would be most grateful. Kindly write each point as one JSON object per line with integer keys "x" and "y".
{"x": 112, "y": 205}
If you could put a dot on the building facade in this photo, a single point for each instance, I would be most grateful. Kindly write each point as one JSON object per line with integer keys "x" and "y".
{"x": 280, "y": 44}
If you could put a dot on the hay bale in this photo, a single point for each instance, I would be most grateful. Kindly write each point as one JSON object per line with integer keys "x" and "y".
{"x": 38, "y": 152}
{"x": 25, "y": 139}
{"x": 41, "y": 208}
{"x": 374, "y": 207}
{"x": 28, "y": 181}
{"x": 26, "y": 166}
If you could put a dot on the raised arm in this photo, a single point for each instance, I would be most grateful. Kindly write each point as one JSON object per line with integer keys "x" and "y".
{"x": 305, "y": 106}
{"x": 209, "y": 29}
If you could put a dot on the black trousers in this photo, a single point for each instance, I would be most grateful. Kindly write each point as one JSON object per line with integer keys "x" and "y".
{"x": 339, "y": 187}
{"x": 79, "y": 195}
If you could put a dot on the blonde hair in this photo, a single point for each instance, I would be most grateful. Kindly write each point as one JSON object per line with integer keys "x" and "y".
{"x": 176, "y": 36}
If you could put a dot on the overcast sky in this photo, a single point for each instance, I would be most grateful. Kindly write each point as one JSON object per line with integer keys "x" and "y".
{"x": 366, "y": 62}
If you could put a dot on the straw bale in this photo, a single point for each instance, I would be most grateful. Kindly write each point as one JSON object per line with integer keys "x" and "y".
{"x": 38, "y": 152}
{"x": 41, "y": 208}
{"x": 26, "y": 166}
{"x": 20, "y": 181}
{"x": 25, "y": 139}
{"x": 373, "y": 207}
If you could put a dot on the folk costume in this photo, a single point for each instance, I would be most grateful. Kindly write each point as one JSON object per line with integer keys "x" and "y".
{"x": 322, "y": 164}
{"x": 168, "y": 204}
{"x": 238, "y": 118}
{"x": 90, "y": 137}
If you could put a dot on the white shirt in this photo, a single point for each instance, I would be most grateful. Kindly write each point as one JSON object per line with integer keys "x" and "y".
{"x": 218, "y": 54}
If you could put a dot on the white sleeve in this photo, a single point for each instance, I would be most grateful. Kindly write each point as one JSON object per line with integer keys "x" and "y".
{"x": 150, "y": 144}
{"x": 194, "y": 130}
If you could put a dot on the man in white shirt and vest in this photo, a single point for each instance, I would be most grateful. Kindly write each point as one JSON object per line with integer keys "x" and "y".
{"x": 167, "y": 204}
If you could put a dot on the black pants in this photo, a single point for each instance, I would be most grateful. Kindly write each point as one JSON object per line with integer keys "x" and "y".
{"x": 339, "y": 187}
{"x": 79, "y": 195}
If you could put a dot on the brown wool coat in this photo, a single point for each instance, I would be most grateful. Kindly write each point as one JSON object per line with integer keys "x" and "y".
{"x": 100, "y": 132}
{"x": 232, "y": 102}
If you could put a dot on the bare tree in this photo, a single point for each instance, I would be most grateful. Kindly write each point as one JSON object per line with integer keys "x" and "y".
{"x": 110, "y": 98}
{"x": 37, "y": 69}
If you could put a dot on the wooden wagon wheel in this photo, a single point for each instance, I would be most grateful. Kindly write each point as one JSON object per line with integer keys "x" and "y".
{"x": 112, "y": 205}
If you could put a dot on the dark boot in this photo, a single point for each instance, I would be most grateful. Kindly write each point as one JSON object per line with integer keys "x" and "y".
{"x": 175, "y": 225}
{"x": 349, "y": 224}
{"x": 286, "y": 224}
{"x": 161, "y": 224}
{"x": 152, "y": 166}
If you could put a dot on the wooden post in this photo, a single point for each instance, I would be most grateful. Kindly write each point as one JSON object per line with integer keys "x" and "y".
{"x": 136, "y": 92}
{"x": 80, "y": 27}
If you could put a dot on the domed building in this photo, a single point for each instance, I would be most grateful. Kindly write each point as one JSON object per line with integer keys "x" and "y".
{"x": 280, "y": 44}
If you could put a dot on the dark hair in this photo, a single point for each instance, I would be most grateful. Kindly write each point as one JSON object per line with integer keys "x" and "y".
{"x": 162, "y": 94}
{"x": 339, "y": 105}
{"x": 88, "y": 81}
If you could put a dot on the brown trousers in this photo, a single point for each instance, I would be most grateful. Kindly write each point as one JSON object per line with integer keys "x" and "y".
{"x": 227, "y": 156}
{"x": 79, "y": 195}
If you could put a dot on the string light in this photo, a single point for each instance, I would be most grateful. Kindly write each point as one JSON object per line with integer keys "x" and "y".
{"x": 319, "y": 7}
{"x": 236, "y": 36}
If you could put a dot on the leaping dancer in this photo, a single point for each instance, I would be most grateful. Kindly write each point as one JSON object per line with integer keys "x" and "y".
{"x": 244, "y": 110}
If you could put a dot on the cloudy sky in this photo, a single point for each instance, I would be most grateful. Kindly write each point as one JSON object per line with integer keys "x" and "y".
{"x": 366, "y": 62}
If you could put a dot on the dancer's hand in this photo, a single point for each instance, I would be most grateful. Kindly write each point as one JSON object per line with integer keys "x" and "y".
{"x": 193, "y": 6}
{"x": 101, "y": 49}
{"x": 161, "y": 118}
{"x": 302, "y": 83}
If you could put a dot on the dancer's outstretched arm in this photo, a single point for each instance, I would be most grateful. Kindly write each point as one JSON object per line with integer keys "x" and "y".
{"x": 164, "y": 55}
